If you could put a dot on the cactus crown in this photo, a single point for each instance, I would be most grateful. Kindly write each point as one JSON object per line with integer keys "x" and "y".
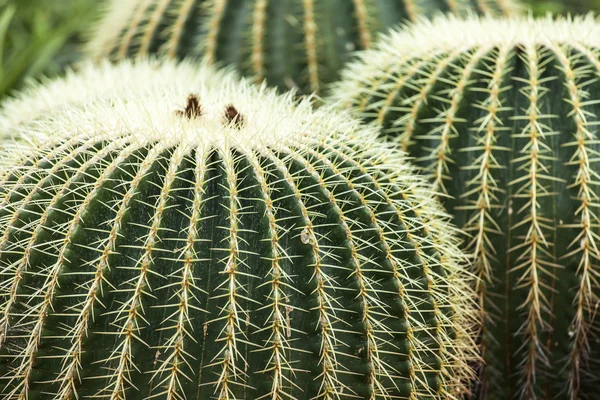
{"x": 179, "y": 239}
{"x": 447, "y": 34}
{"x": 291, "y": 44}
{"x": 501, "y": 114}
{"x": 51, "y": 96}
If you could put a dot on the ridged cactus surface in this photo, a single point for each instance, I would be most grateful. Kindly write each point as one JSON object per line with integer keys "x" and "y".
{"x": 503, "y": 116}
{"x": 195, "y": 237}
{"x": 289, "y": 43}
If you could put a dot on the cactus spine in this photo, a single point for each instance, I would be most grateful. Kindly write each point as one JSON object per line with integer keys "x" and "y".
{"x": 291, "y": 44}
{"x": 502, "y": 115}
{"x": 198, "y": 238}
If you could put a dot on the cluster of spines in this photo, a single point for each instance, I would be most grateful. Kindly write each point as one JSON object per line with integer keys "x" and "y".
{"x": 129, "y": 317}
{"x": 136, "y": 267}
{"x": 482, "y": 100}
{"x": 200, "y": 28}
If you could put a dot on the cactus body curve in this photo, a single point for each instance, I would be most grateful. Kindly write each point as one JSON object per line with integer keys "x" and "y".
{"x": 503, "y": 116}
{"x": 179, "y": 241}
{"x": 298, "y": 44}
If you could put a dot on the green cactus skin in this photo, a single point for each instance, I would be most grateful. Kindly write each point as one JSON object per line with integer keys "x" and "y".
{"x": 192, "y": 236}
{"x": 290, "y": 43}
{"x": 503, "y": 117}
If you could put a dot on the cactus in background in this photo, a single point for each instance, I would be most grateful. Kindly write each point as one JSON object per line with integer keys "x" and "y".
{"x": 502, "y": 115}
{"x": 191, "y": 236}
{"x": 290, "y": 44}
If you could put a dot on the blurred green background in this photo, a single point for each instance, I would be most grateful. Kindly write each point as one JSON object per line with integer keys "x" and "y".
{"x": 41, "y": 37}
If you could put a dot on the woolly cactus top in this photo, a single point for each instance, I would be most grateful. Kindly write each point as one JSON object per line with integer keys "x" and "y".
{"x": 155, "y": 102}
{"x": 189, "y": 236}
{"x": 503, "y": 116}
{"x": 96, "y": 84}
{"x": 445, "y": 34}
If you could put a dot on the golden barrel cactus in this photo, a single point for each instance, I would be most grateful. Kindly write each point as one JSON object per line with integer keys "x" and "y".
{"x": 503, "y": 115}
{"x": 192, "y": 236}
{"x": 299, "y": 44}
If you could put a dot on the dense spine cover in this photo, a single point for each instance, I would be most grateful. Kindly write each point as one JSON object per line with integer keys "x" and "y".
{"x": 503, "y": 116}
{"x": 173, "y": 240}
{"x": 289, "y": 43}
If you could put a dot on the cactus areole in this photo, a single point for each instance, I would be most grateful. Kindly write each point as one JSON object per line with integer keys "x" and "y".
{"x": 503, "y": 115}
{"x": 176, "y": 241}
{"x": 298, "y": 44}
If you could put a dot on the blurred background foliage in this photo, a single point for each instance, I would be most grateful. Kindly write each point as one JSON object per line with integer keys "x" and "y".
{"x": 42, "y": 37}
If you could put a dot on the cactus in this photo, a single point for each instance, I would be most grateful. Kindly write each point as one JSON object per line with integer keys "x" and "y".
{"x": 291, "y": 44}
{"x": 502, "y": 115}
{"x": 193, "y": 236}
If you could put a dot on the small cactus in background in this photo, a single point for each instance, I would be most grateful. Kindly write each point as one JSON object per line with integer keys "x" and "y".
{"x": 291, "y": 44}
{"x": 191, "y": 236}
{"x": 503, "y": 115}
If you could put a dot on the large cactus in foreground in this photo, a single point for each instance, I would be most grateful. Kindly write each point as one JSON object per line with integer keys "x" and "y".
{"x": 195, "y": 237}
{"x": 289, "y": 43}
{"x": 503, "y": 115}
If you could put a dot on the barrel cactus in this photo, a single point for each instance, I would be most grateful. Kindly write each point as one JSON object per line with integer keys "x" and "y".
{"x": 502, "y": 115}
{"x": 291, "y": 44}
{"x": 193, "y": 236}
